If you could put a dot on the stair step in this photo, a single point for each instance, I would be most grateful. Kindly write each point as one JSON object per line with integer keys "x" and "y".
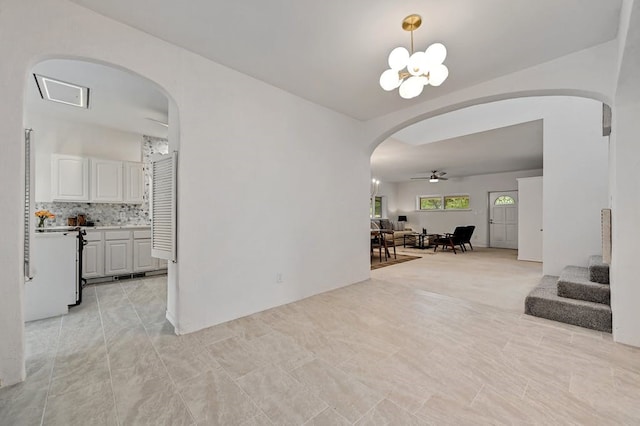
{"x": 544, "y": 302}
{"x": 574, "y": 283}
{"x": 598, "y": 270}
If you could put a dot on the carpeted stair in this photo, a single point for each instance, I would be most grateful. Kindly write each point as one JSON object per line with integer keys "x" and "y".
{"x": 574, "y": 298}
{"x": 574, "y": 283}
{"x": 598, "y": 270}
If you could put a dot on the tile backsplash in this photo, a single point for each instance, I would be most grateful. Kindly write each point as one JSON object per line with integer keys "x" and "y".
{"x": 102, "y": 214}
{"x": 106, "y": 214}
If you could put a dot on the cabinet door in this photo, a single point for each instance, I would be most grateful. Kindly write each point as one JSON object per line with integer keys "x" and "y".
{"x": 69, "y": 178}
{"x": 106, "y": 181}
{"x": 118, "y": 258}
{"x": 93, "y": 260}
{"x": 142, "y": 260}
{"x": 133, "y": 183}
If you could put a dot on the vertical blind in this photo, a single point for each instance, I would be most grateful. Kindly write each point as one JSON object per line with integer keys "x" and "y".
{"x": 27, "y": 203}
{"x": 163, "y": 206}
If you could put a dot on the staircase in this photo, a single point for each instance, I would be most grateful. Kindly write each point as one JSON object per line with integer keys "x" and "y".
{"x": 579, "y": 296}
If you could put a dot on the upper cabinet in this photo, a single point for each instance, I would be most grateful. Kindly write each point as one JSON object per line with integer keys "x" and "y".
{"x": 78, "y": 179}
{"x": 106, "y": 181}
{"x": 133, "y": 183}
{"x": 69, "y": 178}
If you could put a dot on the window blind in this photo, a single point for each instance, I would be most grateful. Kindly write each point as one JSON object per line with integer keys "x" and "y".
{"x": 27, "y": 204}
{"x": 163, "y": 206}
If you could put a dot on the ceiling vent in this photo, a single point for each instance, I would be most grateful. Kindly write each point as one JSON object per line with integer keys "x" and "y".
{"x": 62, "y": 92}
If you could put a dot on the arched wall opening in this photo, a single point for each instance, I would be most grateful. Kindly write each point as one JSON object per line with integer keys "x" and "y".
{"x": 386, "y": 129}
{"x": 575, "y": 157}
{"x": 132, "y": 118}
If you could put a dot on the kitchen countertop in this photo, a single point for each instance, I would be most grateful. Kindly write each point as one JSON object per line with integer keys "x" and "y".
{"x": 91, "y": 228}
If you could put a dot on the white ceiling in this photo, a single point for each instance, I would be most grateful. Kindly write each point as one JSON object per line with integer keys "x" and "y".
{"x": 117, "y": 99}
{"x": 333, "y": 52}
{"x": 506, "y": 149}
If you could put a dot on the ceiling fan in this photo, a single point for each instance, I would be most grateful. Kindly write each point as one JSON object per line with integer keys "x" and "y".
{"x": 436, "y": 176}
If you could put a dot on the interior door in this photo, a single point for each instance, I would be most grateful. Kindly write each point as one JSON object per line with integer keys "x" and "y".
{"x": 503, "y": 219}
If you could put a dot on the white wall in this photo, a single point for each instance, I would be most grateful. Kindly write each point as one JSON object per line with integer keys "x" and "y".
{"x": 477, "y": 187}
{"x": 575, "y": 186}
{"x": 625, "y": 182}
{"x": 253, "y": 163}
{"x": 55, "y": 136}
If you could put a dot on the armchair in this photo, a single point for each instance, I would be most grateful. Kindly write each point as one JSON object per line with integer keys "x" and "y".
{"x": 467, "y": 236}
{"x": 451, "y": 240}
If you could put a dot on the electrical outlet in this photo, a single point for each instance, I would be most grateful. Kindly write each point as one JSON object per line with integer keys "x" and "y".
{"x": 123, "y": 215}
{"x": 279, "y": 278}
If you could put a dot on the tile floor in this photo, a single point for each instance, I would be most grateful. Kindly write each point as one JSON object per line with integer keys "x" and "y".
{"x": 377, "y": 352}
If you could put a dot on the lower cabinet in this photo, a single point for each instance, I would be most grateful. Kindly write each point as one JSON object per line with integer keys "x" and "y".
{"x": 93, "y": 255}
{"x": 142, "y": 260}
{"x": 118, "y": 252}
{"x": 117, "y": 257}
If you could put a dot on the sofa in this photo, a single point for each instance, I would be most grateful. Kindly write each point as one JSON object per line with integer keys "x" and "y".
{"x": 398, "y": 228}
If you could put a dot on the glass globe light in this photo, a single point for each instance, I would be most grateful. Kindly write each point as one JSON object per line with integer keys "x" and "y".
{"x": 398, "y": 58}
{"x": 417, "y": 63}
{"x": 411, "y": 87}
{"x": 436, "y": 53}
{"x": 438, "y": 74}
{"x": 389, "y": 80}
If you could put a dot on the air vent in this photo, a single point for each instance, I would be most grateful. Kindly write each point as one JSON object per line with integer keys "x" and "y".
{"x": 62, "y": 92}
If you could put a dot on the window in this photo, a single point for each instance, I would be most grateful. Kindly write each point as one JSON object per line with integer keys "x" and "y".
{"x": 375, "y": 210}
{"x": 503, "y": 200}
{"x": 430, "y": 203}
{"x": 456, "y": 202}
{"x": 442, "y": 202}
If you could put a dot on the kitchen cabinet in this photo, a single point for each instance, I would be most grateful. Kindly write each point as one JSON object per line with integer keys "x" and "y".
{"x": 93, "y": 256}
{"x": 69, "y": 178}
{"x": 118, "y": 254}
{"x": 115, "y": 252}
{"x": 142, "y": 259}
{"x": 106, "y": 181}
{"x": 133, "y": 183}
{"x": 79, "y": 179}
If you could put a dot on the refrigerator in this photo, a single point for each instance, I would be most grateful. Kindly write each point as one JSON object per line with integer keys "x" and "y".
{"x": 54, "y": 286}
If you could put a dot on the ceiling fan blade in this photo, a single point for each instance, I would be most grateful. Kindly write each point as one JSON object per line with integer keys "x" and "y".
{"x": 441, "y": 178}
{"x": 419, "y": 178}
{"x": 441, "y": 173}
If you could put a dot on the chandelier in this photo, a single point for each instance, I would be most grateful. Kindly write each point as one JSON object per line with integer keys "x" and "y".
{"x": 412, "y": 71}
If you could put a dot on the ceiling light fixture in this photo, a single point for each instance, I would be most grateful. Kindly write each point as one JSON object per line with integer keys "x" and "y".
{"x": 62, "y": 92}
{"x": 412, "y": 71}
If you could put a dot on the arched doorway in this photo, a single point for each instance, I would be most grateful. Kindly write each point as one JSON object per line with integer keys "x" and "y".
{"x": 93, "y": 129}
{"x": 547, "y": 118}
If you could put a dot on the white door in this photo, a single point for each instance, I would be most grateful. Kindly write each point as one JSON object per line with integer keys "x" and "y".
{"x": 503, "y": 219}
{"x": 530, "y": 219}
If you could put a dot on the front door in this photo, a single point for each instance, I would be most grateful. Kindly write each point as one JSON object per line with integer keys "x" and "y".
{"x": 503, "y": 219}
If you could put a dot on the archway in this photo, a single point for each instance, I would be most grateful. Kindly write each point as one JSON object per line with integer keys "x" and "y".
{"x": 127, "y": 119}
{"x": 561, "y": 138}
